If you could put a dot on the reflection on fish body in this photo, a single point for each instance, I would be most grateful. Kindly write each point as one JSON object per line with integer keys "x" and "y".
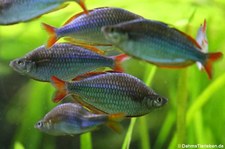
{"x": 158, "y": 43}
{"x": 86, "y": 29}
{"x": 71, "y": 119}
{"x": 63, "y": 60}
{"x": 111, "y": 93}
{"x": 14, "y": 11}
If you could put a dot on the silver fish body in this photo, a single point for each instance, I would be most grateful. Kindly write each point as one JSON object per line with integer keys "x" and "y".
{"x": 63, "y": 60}
{"x": 113, "y": 93}
{"x": 14, "y": 11}
{"x": 70, "y": 119}
{"x": 91, "y": 25}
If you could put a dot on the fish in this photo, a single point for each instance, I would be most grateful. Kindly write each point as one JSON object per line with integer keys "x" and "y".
{"x": 15, "y": 11}
{"x": 64, "y": 60}
{"x": 72, "y": 119}
{"x": 86, "y": 29}
{"x": 110, "y": 92}
{"x": 159, "y": 43}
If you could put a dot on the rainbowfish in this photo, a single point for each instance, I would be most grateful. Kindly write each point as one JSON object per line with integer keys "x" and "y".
{"x": 159, "y": 44}
{"x": 15, "y": 11}
{"x": 110, "y": 92}
{"x": 63, "y": 60}
{"x": 71, "y": 119}
{"x": 86, "y": 29}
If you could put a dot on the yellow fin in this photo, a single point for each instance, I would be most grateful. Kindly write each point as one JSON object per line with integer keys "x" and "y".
{"x": 113, "y": 122}
{"x": 87, "y": 106}
{"x": 78, "y": 42}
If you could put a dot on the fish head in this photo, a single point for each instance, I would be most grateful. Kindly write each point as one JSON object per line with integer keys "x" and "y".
{"x": 45, "y": 126}
{"x": 114, "y": 34}
{"x": 155, "y": 101}
{"x": 22, "y": 65}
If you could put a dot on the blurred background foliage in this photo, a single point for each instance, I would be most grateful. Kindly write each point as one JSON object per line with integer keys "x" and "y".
{"x": 195, "y": 110}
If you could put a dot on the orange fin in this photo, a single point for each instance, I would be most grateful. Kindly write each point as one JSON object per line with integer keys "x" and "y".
{"x": 212, "y": 57}
{"x": 72, "y": 18}
{"x": 189, "y": 38}
{"x": 118, "y": 60}
{"x": 113, "y": 122}
{"x": 94, "y": 49}
{"x": 174, "y": 66}
{"x": 52, "y": 34}
{"x": 61, "y": 90}
{"x": 83, "y": 6}
{"x": 78, "y": 42}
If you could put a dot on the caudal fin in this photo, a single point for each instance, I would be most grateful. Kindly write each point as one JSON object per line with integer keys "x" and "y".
{"x": 83, "y": 6}
{"x": 113, "y": 121}
{"x": 118, "y": 60}
{"x": 60, "y": 86}
{"x": 212, "y": 57}
{"x": 52, "y": 34}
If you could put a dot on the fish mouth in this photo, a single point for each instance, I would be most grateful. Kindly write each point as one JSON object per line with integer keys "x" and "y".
{"x": 14, "y": 66}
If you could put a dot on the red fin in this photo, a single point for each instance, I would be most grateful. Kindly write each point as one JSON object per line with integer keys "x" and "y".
{"x": 118, "y": 60}
{"x": 82, "y": 5}
{"x": 113, "y": 121}
{"x": 52, "y": 34}
{"x": 212, "y": 57}
{"x": 60, "y": 86}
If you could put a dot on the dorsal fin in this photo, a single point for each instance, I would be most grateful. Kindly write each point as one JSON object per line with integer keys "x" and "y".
{"x": 75, "y": 16}
{"x": 91, "y": 74}
{"x": 189, "y": 38}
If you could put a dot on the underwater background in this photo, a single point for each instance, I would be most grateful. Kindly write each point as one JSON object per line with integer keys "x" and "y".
{"x": 194, "y": 113}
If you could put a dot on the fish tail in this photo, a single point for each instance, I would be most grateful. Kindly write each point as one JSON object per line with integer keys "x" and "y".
{"x": 211, "y": 57}
{"x": 52, "y": 34}
{"x": 60, "y": 85}
{"x": 113, "y": 122}
{"x": 118, "y": 60}
{"x": 83, "y": 6}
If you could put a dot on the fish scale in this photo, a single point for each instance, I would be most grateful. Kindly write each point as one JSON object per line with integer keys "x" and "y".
{"x": 72, "y": 118}
{"x": 15, "y": 11}
{"x": 81, "y": 25}
{"x": 63, "y": 60}
{"x": 159, "y": 43}
{"x": 112, "y": 93}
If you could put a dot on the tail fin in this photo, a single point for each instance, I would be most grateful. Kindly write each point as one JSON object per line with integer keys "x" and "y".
{"x": 83, "y": 6}
{"x": 113, "y": 121}
{"x": 61, "y": 90}
{"x": 212, "y": 57}
{"x": 118, "y": 60}
{"x": 52, "y": 34}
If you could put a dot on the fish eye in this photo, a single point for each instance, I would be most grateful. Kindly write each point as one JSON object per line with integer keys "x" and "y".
{"x": 39, "y": 124}
{"x": 159, "y": 100}
{"x": 112, "y": 29}
{"x": 20, "y": 62}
